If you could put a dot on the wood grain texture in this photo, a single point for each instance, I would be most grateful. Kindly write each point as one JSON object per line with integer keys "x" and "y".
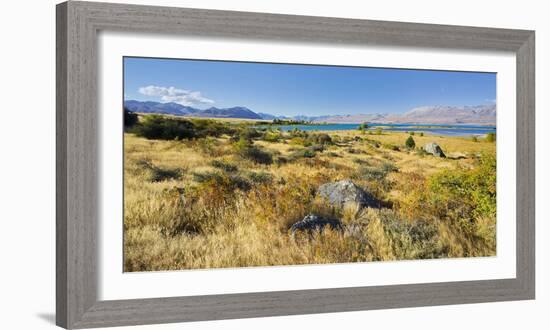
{"x": 61, "y": 260}
{"x": 77, "y": 157}
{"x": 525, "y": 165}
{"x": 77, "y": 143}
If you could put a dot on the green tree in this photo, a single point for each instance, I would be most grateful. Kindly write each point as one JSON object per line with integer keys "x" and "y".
{"x": 410, "y": 143}
{"x": 491, "y": 137}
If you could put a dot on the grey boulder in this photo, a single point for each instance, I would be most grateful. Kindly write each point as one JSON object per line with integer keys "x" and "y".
{"x": 434, "y": 149}
{"x": 312, "y": 222}
{"x": 345, "y": 191}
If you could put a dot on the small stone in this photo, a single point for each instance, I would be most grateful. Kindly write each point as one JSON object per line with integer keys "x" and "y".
{"x": 312, "y": 222}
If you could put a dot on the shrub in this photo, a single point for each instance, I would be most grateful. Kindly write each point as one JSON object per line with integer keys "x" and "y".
{"x": 373, "y": 143}
{"x": 372, "y": 173}
{"x": 474, "y": 138}
{"x": 421, "y": 133}
{"x": 166, "y": 128}
{"x": 389, "y": 167}
{"x": 238, "y": 182}
{"x": 465, "y": 194}
{"x": 463, "y": 202}
{"x": 206, "y": 176}
{"x": 250, "y": 133}
{"x": 378, "y": 131}
{"x": 130, "y": 118}
{"x": 156, "y": 174}
{"x": 226, "y": 167}
{"x": 360, "y": 161}
{"x": 302, "y": 153}
{"x": 491, "y": 137}
{"x": 281, "y": 160}
{"x": 246, "y": 149}
{"x": 224, "y": 181}
{"x": 260, "y": 177}
{"x": 391, "y": 146}
{"x": 234, "y": 138}
{"x": 162, "y": 128}
{"x": 379, "y": 172}
{"x": 257, "y": 155}
{"x": 242, "y": 144}
{"x": 209, "y": 127}
{"x": 412, "y": 133}
{"x": 295, "y": 132}
{"x": 210, "y": 146}
{"x": 300, "y": 141}
{"x": 308, "y": 153}
{"x": 410, "y": 142}
{"x": 271, "y": 136}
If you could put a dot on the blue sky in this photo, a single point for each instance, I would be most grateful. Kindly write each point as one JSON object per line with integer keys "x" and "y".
{"x": 286, "y": 89}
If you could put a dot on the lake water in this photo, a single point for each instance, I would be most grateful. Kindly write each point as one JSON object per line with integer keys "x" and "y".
{"x": 436, "y": 129}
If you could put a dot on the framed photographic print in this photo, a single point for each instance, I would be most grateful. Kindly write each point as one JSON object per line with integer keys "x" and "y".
{"x": 217, "y": 165}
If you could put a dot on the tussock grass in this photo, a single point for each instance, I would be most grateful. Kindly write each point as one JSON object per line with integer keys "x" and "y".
{"x": 211, "y": 202}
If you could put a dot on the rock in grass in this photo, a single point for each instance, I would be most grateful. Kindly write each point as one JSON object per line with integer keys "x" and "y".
{"x": 345, "y": 191}
{"x": 434, "y": 149}
{"x": 312, "y": 222}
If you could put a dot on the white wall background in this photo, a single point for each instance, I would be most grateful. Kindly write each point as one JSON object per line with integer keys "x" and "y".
{"x": 27, "y": 163}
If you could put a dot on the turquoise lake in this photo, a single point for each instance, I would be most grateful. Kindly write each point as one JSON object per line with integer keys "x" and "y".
{"x": 435, "y": 129}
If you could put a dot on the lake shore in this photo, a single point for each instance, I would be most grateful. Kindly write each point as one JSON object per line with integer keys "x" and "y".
{"x": 446, "y": 130}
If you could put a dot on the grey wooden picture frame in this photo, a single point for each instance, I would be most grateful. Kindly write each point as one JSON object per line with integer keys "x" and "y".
{"x": 78, "y": 24}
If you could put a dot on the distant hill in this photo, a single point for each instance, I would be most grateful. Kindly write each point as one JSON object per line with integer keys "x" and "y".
{"x": 157, "y": 107}
{"x": 181, "y": 110}
{"x": 352, "y": 119}
{"x": 480, "y": 114}
{"x": 235, "y": 112}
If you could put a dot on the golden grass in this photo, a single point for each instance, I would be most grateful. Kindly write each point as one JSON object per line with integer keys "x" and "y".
{"x": 180, "y": 223}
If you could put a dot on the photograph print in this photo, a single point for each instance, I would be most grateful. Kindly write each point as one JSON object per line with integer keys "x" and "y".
{"x": 246, "y": 164}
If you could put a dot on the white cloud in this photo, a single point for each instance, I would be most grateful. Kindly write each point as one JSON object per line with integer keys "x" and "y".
{"x": 176, "y": 95}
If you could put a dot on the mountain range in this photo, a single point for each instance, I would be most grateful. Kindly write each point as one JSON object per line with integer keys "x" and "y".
{"x": 479, "y": 114}
{"x": 172, "y": 108}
